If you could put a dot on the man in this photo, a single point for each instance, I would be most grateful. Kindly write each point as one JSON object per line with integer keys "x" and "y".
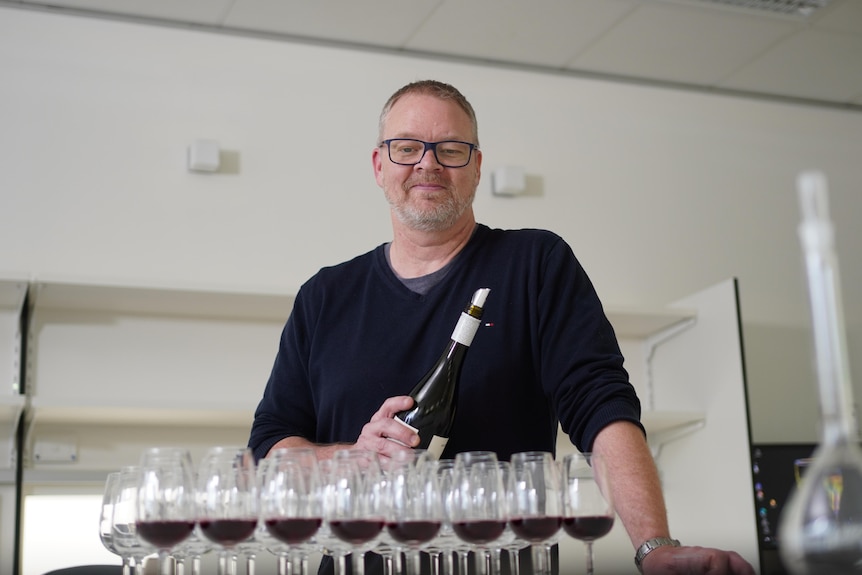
{"x": 363, "y": 332}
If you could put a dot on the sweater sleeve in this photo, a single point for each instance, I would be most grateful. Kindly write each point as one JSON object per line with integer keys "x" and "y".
{"x": 582, "y": 364}
{"x": 287, "y": 406}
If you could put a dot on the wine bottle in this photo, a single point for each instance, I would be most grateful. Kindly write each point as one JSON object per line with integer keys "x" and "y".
{"x": 435, "y": 396}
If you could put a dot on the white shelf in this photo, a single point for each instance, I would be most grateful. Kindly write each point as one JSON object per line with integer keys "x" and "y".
{"x": 63, "y": 295}
{"x": 11, "y": 406}
{"x": 665, "y": 422}
{"x": 665, "y": 426}
{"x": 231, "y": 332}
{"x": 660, "y": 426}
{"x": 638, "y": 323}
{"x": 166, "y": 301}
{"x": 152, "y": 415}
{"x": 12, "y": 292}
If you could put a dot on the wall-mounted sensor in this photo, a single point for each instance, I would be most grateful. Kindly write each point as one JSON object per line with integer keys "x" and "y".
{"x": 204, "y": 156}
{"x": 508, "y": 181}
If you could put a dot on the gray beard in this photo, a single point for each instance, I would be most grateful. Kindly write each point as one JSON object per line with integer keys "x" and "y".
{"x": 437, "y": 219}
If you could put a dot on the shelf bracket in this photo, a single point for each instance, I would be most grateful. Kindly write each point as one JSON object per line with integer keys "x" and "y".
{"x": 661, "y": 438}
{"x": 650, "y": 345}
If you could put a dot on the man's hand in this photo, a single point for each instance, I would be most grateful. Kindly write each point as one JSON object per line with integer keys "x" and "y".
{"x": 378, "y": 434}
{"x": 695, "y": 561}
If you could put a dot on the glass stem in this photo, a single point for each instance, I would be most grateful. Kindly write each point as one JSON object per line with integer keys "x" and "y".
{"x": 166, "y": 563}
{"x": 414, "y": 562}
{"x": 227, "y": 563}
{"x": 484, "y": 561}
{"x": 196, "y": 565}
{"x": 541, "y": 559}
{"x": 449, "y": 563}
{"x": 359, "y": 563}
{"x": 301, "y": 563}
{"x": 589, "y": 545}
{"x": 397, "y": 562}
{"x": 249, "y": 564}
{"x": 435, "y": 563}
{"x": 340, "y": 564}
{"x": 514, "y": 562}
{"x": 464, "y": 561}
{"x": 497, "y": 558}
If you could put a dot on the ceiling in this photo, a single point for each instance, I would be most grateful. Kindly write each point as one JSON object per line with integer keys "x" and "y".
{"x": 813, "y": 57}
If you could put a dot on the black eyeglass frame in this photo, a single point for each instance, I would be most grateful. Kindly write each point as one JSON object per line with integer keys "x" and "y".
{"x": 429, "y": 146}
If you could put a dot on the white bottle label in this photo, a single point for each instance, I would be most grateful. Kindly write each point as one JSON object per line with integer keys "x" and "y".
{"x": 405, "y": 424}
{"x": 437, "y": 445}
{"x": 435, "y": 448}
{"x": 465, "y": 329}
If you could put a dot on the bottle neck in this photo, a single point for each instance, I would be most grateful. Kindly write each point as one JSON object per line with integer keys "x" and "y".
{"x": 466, "y": 328}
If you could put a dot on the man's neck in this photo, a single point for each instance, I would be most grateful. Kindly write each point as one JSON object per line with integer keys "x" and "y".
{"x": 414, "y": 253}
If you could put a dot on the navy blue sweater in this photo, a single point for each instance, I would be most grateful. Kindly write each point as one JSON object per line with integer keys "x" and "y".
{"x": 545, "y": 351}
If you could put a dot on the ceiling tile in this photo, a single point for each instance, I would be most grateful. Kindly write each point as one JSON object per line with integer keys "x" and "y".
{"x": 540, "y": 32}
{"x": 385, "y": 23}
{"x": 688, "y": 44}
{"x": 841, "y": 16}
{"x": 207, "y": 12}
{"x": 812, "y": 64}
{"x": 676, "y": 41}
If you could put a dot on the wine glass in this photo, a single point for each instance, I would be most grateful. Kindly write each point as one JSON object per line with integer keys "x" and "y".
{"x": 124, "y": 533}
{"x": 165, "y": 501}
{"x": 354, "y": 509}
{"x": 414, "y": 507}
{"x": 509, "y": 541}
{"x": 187, "y": 554}
{"x": 478, "y": 506}
{"x": 588, "y": 509}
{"x": 442, "y": 547}
{"x": 536, "y": 504}
{"x": 291, "y": 504}
{"x": 106, "y": 518}
{"x": 328, "y": 543}
{"x": 227, "y": 500}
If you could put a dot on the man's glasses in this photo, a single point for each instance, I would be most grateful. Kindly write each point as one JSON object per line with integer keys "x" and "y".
{"x": 450, "y": 153}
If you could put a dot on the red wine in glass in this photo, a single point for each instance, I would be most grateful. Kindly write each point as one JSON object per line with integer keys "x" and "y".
{"x": 535, "y": 529}
{"x": 228, "y": 532}
{"x": 164, "y": 534}
{"x": 413, "y": 532}
{"x": 479, "y": 532}
{"x": 356, "y": 531}
{"x": 293, "y": 530}
{"x": 588, "y": 527}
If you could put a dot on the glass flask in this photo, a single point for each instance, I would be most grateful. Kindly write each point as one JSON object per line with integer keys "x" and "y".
{"x": 820, "y": 530}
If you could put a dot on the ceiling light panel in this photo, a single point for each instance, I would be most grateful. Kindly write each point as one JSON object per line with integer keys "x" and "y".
{"x": 793, "y": 7}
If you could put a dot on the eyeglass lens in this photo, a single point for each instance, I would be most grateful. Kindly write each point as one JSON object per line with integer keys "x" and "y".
{"x": 451, "y": 154}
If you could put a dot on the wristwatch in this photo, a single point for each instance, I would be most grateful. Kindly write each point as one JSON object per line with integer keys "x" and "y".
{"x": 651, "y": 545}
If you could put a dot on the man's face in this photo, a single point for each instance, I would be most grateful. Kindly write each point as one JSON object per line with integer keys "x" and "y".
{"x": 427, "y": 196}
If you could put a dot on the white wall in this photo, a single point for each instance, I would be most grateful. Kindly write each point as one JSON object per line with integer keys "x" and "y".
{"x": 661, "y": 192}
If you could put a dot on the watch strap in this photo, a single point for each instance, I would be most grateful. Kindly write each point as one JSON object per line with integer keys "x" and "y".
{"x": 651, "y": 545}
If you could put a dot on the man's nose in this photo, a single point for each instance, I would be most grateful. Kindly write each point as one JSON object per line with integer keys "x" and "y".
{"x": 429, "y": 158}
